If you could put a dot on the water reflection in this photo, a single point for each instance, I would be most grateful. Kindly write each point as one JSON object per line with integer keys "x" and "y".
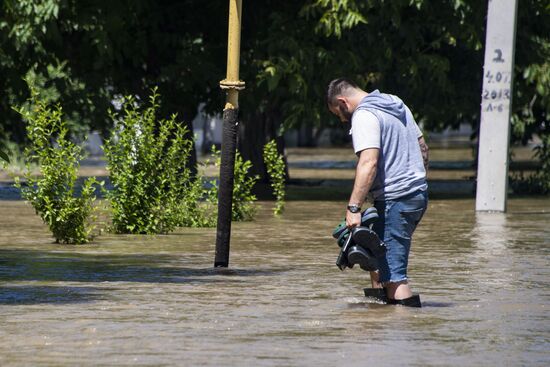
{"x": 35, "y": 265}
{"x": 493, "y": 241}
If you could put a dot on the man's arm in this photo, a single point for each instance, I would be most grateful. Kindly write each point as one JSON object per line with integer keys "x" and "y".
{"x": 364, "y": 177}
{"x": 425, "y": 152}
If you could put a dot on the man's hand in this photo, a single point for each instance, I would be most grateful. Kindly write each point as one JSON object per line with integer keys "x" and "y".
{"x": 353, "y": 219}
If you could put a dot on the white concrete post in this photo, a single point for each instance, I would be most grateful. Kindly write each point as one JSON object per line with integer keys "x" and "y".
{"x": 496, "y": 103}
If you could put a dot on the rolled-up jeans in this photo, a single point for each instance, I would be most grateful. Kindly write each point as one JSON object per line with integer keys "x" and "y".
{"x": 398, "y": 219}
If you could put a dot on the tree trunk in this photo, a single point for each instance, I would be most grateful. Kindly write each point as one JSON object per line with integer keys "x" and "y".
{"x": 186, "y": 115}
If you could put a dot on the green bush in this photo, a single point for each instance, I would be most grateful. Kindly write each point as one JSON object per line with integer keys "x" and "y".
{"x": 198, "y": 207}
{"x": 154, "y": 190}
{"x": 242, "y": 208}
{"x": 275, "y": 165}
{"x": 52, "y": 193}
{"x": 542, "y": 152}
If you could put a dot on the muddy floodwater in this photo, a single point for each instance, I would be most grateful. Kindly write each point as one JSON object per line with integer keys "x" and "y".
{"x": 157, "y": 301}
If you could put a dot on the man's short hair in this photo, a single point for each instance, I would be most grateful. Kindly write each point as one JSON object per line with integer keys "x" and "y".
{"x": 338, "y": 87}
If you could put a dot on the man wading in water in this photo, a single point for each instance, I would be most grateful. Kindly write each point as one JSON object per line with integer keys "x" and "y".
{"x": 392, "y": 166}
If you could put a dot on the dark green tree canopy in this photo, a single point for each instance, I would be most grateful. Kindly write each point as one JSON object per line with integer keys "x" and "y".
{"x": 84, "y": 53}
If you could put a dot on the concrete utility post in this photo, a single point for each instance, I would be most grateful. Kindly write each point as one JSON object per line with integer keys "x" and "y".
{"x": 229, "y": 138}
{"x": 496, "y": 103}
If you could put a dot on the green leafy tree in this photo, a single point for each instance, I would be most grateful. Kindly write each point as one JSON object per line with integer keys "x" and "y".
{"x": 31, "y": 42}
{"x": 87, "y": 53}
{"x": 402, "y": 47}
{"x": 429, "y": 52}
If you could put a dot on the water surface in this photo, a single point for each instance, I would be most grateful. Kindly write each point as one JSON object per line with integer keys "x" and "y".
{"x": 155, "y": 301}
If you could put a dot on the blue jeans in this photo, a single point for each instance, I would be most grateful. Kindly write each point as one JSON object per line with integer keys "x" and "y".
{"x": 397, "y": 222}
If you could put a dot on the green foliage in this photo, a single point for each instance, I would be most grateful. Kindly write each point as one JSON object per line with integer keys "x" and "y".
{"x": 542, "y": 177}
{"x": 242, "y": 208}
{"x": 532, "y": 115}
{"x": 339, "y": 16}
{"x": 147, "y": 158}
{"x": 54, "y": 84}
{"x": 30, "y": 20}
{"x": 198, "y": 207}
{"x": 418, "y": 49}
{"x": 275, "y": 165}
{"x": 423, "y": 50}
{"x": 33, "y": 49}
{"x": 53, "y": 193}
{"x": 430, "y": 53}
{"x": 539, "y": 182}
{"x": 103, "y": 57}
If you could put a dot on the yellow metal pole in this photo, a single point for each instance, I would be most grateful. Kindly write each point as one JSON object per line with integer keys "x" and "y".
{"x": 232, "y": 82}
{"x": 229, "y": 138}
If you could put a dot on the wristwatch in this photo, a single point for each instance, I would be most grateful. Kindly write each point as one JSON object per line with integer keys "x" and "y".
{"x": 354, "y": 208}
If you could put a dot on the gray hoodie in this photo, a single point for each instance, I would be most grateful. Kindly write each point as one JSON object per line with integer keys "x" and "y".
{"x": 400, "y": 170}
{"x": 384, "y": 103}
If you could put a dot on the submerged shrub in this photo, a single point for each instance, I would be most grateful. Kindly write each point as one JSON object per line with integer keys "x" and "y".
{"x": 198, "y": 207}
{"x": 154, "y": 189}
{"x": 542, "y": 152}
{"x": 243, "y": 208}
{"x": 275, "y": 165}
{"x": 52, "y": 193}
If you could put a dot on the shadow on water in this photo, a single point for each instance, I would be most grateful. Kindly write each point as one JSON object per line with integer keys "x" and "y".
{"x": 31, "y": 295}
{"x": 367, "y": 305}
{"x": 28, "y": 265}
{"x": 377, "y": 305}
{"x": 426, "y": 304}
{"x": 310, "y": 189}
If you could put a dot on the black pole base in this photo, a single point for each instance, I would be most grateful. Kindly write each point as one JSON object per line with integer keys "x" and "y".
{"x": 225, "y": 194}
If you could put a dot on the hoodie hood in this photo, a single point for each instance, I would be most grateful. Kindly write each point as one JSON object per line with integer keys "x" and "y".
{"x": 384, "y": 103}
